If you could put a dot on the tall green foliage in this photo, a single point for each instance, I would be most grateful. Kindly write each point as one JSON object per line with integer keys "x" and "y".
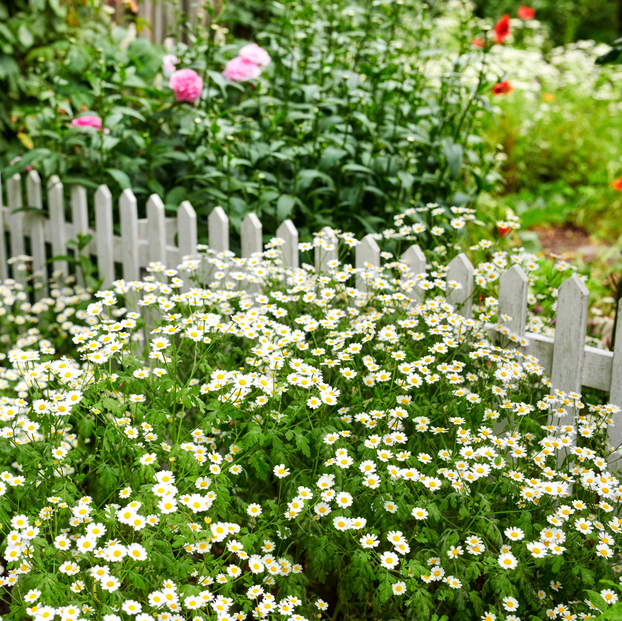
{"x": 362, "y": 112}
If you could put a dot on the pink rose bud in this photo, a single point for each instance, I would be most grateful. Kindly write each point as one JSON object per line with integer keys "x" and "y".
{"x": 240, "y": 70}
{"x": 255, "y": 54}
{"x": 187, "y": 84}
{"x": 87, "y": 121}
{"x": 168, "y": 65}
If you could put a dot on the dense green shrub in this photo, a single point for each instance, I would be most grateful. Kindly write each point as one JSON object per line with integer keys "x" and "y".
{"x": 363, "y": 111}
{"x": 40, "y": 43}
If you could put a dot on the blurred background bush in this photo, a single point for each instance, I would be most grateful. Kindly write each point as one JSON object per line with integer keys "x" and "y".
{"x": 567, "y": 20}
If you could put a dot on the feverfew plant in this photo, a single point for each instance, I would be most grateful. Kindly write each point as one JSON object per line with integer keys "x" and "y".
{"x": 235, "y": 438}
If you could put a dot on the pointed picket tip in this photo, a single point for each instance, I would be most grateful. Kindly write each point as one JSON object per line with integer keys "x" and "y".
{"x": 286, "y": 228}
{"x": 513, "y": 294}
{"x": 103, "y": 194}
{"x": 574, "y": 286}
{"x": 33, "y": 177}
{"x": 415, "y": 259}
{"x": 368, "y": 243}
{"x": 289, "y": 234}
{"x": 218, "y": 224}
{"x": 186, "y": 210}
{"x": 154, "y": 204}
{"x": 514, "y": 276}
{"x": 251, "y": 235}
{"x": 461, "y": 262}
{"x": 127, "y": 198}
{"x": 52, "y": 181}
{"x": 461, "y": 271}
{"x": 33, "y": 189}
{"x": 251, "y": 220}
{"x": 187, "y": 234}
{"x": 367, "y": 253}
{"x": 218, "y": 216}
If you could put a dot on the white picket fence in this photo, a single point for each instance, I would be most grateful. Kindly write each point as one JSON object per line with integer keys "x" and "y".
{"x": 566, "y": 359}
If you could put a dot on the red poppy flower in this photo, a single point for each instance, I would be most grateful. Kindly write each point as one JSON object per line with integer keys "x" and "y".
{"x": 503, "y": 230}
{"x": 477, "y": 42}
{"x": 502, "y": 88}
{"x": 617, "y": 184}
{"x": 526, "y": 12}
{"x": 502, "y": 29}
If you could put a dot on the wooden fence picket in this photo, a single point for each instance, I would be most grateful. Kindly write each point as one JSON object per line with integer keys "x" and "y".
{"x": 566, "y": 359}
{"x": 289, "y": 234}
{"x": 56, "y": 223}
{"x": 461, "y": 271}
{"x": 251, "y": 235}
{"x": 129, "y": 236}
{"x": 16, "y": 224}
{"x": 513, "y": 291}
{"x": 80, "y": 218}
{"x": 187, "y": 237}
{"x": 4, "y": 272}
{"x": 218, "y": 229}
{"x": 367, "y": 253}
{"x": 570, "y": 331}
{"x": 104, "y": 235}
{"x": 415, "y": 260}
{"x": 36, "y": 223}
{"x": 156, "y": 230}
{"x": 615, "y": 393}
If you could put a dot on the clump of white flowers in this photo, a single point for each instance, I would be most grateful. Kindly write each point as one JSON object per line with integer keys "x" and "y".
{"x": 237, "y": 438}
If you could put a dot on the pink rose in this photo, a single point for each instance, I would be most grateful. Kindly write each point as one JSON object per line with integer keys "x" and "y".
{"x": 187, "y": 84}
{"x": 240, "y": 69}
{"x": 255, "y": 54}
{"x": 168, "y": 65}
{"x": 87, "y": 121}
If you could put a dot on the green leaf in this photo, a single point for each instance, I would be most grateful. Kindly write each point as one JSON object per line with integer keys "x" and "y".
{"x": 453, "y": 154}
{"x": 597, "y": 600}
{"x": 330, "y": 156}
{"x": 284, "y": 206}
{"x": 357, "y": 168}
{"x": 25, "y": 36}
{"x": 120, "y": 177}
{"x": 613, "y": 614}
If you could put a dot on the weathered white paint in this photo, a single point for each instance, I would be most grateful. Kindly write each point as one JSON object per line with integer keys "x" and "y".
{"x": 16, "y": 223}
{"x": 35, "y": 222}
{"x": 289, "y": 234}
{"x": 570, "y": 330}
{"x": 56, "y": 223}
{"x": 513, "y": 290}
{"x": 129, "y": 235}
{"x": 367, "y": 255}
{"x": 218, "y": 227}
{"x": 461, "y": 271}
{"x": 251, "y": 235}
{"x": 104, "y": 234}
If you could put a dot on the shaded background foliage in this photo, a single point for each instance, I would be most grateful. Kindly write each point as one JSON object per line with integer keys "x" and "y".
{"x": 567, "y": 20}
{"x": 348, "y": 128}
